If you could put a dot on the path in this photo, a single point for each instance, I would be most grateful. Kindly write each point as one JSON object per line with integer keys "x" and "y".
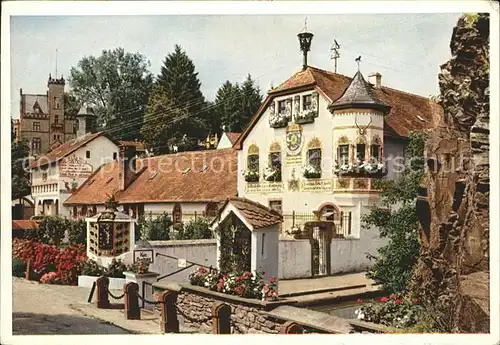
{"x": 46, "y": 309}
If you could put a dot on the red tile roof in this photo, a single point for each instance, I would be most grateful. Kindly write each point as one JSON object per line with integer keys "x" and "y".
{"x": 257, "y": 215}
{"x": 23, "y": 224}
{"x": 232, "y": 136}
{"x": 199, "y": 176}
{"x": 409, "y": 112}
{"x": 67, "y": 148}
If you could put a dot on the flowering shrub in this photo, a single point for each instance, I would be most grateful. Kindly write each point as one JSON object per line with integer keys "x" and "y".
{"x": 310, "y": 171}
{"x": 92, "y": 268}
{"x": 251, "y": 175}
{"x": 247, "y": 285}
{"x": 116, "y": 268}
{"x": 51, "y": 278}
{"x": 395, "y": 311}
{"x": 66, "y": 264}
{"x": 141, "y": 266}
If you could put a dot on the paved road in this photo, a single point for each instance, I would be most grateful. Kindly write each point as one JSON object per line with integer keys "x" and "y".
{"x": 45, "y": 309}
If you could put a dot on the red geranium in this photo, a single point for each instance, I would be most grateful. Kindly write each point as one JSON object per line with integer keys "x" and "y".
{"x": 415, "y": 300}
{"x": 384, "y": 299}
{"x": 360, "y": 300}
{"x": 398, "y": 301}
{"x": 394, "y": 297}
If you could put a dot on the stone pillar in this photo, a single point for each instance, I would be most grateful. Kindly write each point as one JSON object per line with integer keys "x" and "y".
{"x": 132, "y": 310}
{"x": 102, "y": 284}
{"x": 144, "y": 289}
{"x": 168, "y": 320}
{"x": 221, "y": 318}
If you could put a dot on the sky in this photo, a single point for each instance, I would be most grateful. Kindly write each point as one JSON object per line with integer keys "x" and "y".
{"x": 407, "y": 49}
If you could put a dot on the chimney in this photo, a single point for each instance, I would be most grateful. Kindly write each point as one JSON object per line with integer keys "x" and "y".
{"x": 126, "y": 166}
{"x": 378, "y": 79}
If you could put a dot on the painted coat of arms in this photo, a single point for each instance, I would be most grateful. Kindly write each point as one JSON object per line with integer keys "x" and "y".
{"x": 294, "y": 140}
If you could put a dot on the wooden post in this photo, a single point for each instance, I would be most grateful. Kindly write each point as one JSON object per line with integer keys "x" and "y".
{"x": 102, "y": 284}
{"x": 221, "y": 318}
{"x": 28, "y": 270}
{"x": 168, "y": 320}
{"x": 290, "y": 327}
{"x": 132, "y": 310}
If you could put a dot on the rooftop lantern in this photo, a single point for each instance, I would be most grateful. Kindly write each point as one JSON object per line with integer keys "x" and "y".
{"x": 305, "y": 39}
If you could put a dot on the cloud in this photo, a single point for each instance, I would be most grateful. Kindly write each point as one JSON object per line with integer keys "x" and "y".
{"x": 406, "y": 49}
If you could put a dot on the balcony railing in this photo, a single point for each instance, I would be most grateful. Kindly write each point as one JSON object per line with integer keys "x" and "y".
{"x": 296, "y": 220}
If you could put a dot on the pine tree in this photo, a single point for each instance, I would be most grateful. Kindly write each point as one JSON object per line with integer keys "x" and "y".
{"x": 235, "y": 104}
{"x": 176, "y": 106}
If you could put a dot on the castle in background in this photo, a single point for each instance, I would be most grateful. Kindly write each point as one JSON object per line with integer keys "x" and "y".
{"x": 42, "y": 120}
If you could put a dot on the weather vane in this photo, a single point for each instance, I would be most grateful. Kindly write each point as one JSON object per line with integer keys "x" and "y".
{"x": 358, "y": 60}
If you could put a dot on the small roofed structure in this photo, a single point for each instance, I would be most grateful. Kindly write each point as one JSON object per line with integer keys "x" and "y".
{"x": 262, "y": 231}
{"x": 110, "y": 235}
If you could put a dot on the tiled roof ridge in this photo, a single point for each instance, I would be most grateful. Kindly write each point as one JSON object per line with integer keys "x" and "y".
{"x": 179, "y": 154}
{"x": 254, "y": 203}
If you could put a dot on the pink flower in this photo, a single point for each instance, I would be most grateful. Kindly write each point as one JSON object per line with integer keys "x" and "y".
{"x": 359, "y": 300}
{"x": 394, "y": 297}
{"x": 398, "y": 301}
{"x": 415, "y": 300}
{"x": 384, "y": 299}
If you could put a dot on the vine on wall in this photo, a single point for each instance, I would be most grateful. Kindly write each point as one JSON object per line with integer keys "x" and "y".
{"x": 235, "y": 247}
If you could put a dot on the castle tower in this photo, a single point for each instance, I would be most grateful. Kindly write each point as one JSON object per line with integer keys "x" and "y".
{"x": 55, "y": 100}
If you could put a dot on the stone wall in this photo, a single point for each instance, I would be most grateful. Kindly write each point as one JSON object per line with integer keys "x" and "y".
{"x": 453, "y": 206}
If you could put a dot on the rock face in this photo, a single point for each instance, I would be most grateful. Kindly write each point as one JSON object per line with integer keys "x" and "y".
{"x": 453, "y": 206}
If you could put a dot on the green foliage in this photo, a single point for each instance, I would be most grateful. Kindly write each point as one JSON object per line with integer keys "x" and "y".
{"x": 195, "y": 229}
{"x": 19, "y": 168}
{"x": 92, "y": 268}
{"x": 396, "y": 220}
{"x": 177, "y": 111}
{"x": 52, "y": 229}
{"x": 155, "y": 229}
{"x": 115, "y": 269}
{"x": 77, "y": 232}
{"x": 117, "y": 85}
{"x": 71, "y": 104}
{"x": 235, "y": 104}
{"x": 18, "y": 267}
{"x": 235, "y": 247}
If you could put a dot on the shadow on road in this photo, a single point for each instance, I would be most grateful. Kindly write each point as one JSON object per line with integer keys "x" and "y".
{"x": 60, "y": 324}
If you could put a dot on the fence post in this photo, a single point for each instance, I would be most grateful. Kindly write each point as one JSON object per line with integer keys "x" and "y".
{"x": 290, "y": 327}
{"x": 293, "y": 219}
{"x": 132, "y": 310}
{"x": 168, "y": 320}
{"x": 28, "y": 270}
{"x": 221, "y": 318}
{"x": 350, "y": 222}
{"x": 102, "y": 284}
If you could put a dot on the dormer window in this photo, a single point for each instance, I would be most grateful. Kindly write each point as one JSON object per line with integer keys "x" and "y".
{"x": 306, "y": 102}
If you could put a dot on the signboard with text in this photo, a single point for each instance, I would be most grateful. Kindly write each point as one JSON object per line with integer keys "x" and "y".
{"x": 75, "y": 167}
{"x": 141, "y": 254}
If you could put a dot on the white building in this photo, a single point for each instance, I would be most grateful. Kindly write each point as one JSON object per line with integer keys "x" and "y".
{"x": 55, "y": 175}
{"x": 312, "y": 152}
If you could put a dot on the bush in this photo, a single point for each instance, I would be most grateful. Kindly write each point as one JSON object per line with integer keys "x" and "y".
{"x": 52, "y": 230}
{"x": 394, "y": 311}
{"x": 195, "y": 229}
{"x": 69, "y": 263}
{"x": 92, "y": 268}
{"x": 155, "y": 229}
{"x": 116, "y": 269}
{"x": 77, "y": 232}
{"x": 18, "y": 267}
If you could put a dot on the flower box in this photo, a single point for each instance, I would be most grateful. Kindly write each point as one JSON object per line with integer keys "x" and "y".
{"x": 88, "y": 281}
{"x": 365, "y": 169}
{"x": 310, "y": 171}
{"x": 272, "y": 175}
{"x": 251, "y": 176}
{"x": 278, "y": 121}
{"x": 306, "y": 116}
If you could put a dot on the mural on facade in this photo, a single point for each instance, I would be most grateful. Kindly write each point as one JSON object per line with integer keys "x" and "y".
{"x": 75, "y": 167}
{"x": 294, "y": 144}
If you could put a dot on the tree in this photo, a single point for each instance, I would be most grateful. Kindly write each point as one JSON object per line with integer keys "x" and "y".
{"x": 195, "y": 229}
{"x": 19, "y": 167}
{"x": 117, "y": 85}
{"x": 179, "y": 105}
{"x": 155, "y": 229}
{"x": 235, "y": 105}
{"x": 397, "y": 220}
{"x": 71, "y": 104}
